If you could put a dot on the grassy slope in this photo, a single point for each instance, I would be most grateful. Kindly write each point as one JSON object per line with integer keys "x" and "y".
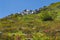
{"x": 32, "y": 23}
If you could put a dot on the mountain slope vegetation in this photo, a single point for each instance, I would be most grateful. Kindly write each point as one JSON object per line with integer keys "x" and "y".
{"x": 41, "y": 25}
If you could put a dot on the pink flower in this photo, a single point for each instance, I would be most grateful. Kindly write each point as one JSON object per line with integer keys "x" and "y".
{"x": 46, "y": 31}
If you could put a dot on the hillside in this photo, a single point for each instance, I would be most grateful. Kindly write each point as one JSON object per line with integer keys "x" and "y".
{"x": 39, "y": 24}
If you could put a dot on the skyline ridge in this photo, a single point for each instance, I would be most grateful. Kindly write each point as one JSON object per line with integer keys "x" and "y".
{"x": 9, "y": 7}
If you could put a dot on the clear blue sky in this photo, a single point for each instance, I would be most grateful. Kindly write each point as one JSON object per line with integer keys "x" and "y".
{"x": 12, "y": 6}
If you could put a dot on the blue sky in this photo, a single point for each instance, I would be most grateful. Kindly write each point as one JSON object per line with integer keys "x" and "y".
{"x": 8, "y": 7}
